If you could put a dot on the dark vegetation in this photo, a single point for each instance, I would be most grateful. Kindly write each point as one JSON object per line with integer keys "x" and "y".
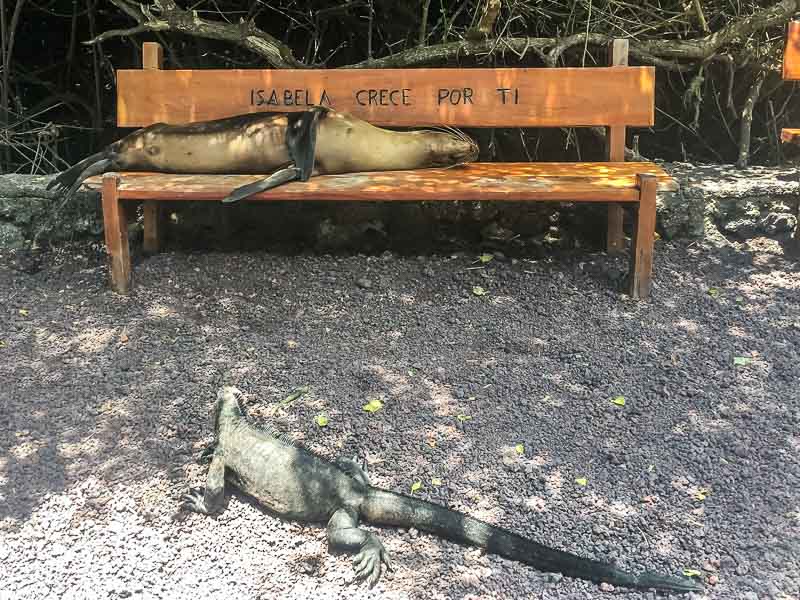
{"x": 57, "y": 92}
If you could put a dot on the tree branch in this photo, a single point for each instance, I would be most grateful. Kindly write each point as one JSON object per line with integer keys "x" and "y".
{"x": 166, "y": 15}
{"x": 747, "y": 121}
{"x": 676, "y": 55}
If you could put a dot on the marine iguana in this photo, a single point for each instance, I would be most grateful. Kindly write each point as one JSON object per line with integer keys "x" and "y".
{"x": 294, "y": 483}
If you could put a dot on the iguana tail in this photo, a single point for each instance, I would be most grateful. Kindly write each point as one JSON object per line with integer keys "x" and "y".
{"x": 382, "y": 507}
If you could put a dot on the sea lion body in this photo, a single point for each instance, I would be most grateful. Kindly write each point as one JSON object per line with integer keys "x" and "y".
{"x": 317, "y": 142}
{"x": 244, "y": 144}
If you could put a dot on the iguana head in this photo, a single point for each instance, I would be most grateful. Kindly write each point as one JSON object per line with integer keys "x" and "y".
{"x": 227, "y": 404}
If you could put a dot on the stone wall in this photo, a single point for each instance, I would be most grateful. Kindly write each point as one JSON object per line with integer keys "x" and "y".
{"x": 29, "y": 211}
{"x": 758, "y": 200}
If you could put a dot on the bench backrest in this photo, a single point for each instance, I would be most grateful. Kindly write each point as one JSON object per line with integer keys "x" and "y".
{"x": 791, "y": 52}
{"x": 613, "y": 96}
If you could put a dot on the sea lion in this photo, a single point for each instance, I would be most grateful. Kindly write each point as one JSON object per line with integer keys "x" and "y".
{"x": 301, "y": 144}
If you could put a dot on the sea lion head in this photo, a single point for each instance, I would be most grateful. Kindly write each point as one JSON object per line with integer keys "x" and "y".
{"x": 450, "y": 148}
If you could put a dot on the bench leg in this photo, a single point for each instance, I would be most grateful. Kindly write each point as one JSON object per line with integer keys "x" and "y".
{"x": 643, "y": 238}
{"x": 116, "y": 229}
{"x": 615, "y": 239}
{"x": 153, "y": 227}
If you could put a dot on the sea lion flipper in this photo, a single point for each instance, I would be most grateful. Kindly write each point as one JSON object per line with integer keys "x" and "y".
{"x": 301, "y": 140}
{"x": 274, "y": 180}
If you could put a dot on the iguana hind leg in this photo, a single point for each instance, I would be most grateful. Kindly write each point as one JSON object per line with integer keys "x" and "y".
{"x": 210, "y": 500}
{"x": 344, "y": 535}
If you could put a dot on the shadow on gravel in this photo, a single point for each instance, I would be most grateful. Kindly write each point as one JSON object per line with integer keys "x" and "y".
{"x": 505, "y": 400}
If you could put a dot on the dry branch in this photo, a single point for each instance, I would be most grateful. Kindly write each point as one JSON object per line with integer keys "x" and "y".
{"x": 673, "y": 54}
{"x": 747, "y": 121}
{"x": 166, "y": 15}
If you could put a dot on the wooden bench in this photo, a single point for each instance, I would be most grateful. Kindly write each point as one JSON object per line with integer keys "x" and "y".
{"x": 615, "y": 97}
{"x": 791, "y": 71}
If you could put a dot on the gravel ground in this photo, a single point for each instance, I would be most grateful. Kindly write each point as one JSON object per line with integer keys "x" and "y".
{"x": 105, "y": 403}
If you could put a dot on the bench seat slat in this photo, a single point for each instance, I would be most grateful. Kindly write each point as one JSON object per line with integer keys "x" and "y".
{"x": 599, "y": 182}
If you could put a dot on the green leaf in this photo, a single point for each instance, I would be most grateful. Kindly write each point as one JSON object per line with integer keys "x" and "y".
{"x": 713, "y": 292}
{"x": 581, "y": 481}
{"x": 436, "y": 481}
{"x": 741, "y": 361}
{"x": 739, "y": 299}
{"x": 296, "y": 393}
{"x": 485, "y": 258}
{"x": 701, "y": 494}
{"x": 479, "y": 291}
{"x": 619, "y": 400}
{"x": 692, "y": 573}
{"x": 415, "y": 486}
{"x": 322, "y": 420}
{"x": 411, "y": 372}
{"x": 463, "y": 418}
{"x": 519, "y": 448}
{"x": 24, "y": 312}
{"x": 373, "y": 405}
{"x": 2, "y": 344}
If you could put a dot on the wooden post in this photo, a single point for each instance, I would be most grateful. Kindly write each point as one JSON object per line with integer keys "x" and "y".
{"x": 116, "y": 230}
{"x": 152, "y": 55}
{"x": 152, "y": 58}
{"x": 153, "y": 227}
{"x": 615, "y": 152}
{"x": 643, "y": 237}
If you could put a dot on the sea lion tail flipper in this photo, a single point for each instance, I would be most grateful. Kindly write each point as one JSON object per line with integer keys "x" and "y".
{"x": 274, "y": 180}
{"x": 68, "y": 177}
{"x": 98, "y": 168}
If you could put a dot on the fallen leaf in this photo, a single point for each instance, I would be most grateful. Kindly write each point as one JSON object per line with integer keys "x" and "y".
{"x": 322, "y": 420}
{"x": 295, "y": 394}
{"x": 373, "y": 405}
{"x": 463, "y": 418}
{"x": 701, "y": 494}
{"x": 713, "y": 292}
{"x": 436, "y": 481}
{"x": 479, "y": 291}
{"x": 581, "y": 481}
{"x": 619, "y": 401}
{"x": 432, "y": 442}
{"x": 485, "y": 258}
{"x": 739, "y": 299}
{"x": 24, "y": 312}
{"x": 692, "y": 573}
{"x": 519, "y": 448}
{"x": 740, "y": 361}
{"x": 415, "y": 486}
{"x": 411, "y": 372}
{"x": 123, "y": 338}
{"x": 291, "y": 344}
{"x": 2, "y": 344}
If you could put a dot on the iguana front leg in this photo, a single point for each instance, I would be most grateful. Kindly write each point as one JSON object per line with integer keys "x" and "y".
{"x": 344, "y": 535}
{"x": 354, "y": 469}
{"x": 211, "y": 500}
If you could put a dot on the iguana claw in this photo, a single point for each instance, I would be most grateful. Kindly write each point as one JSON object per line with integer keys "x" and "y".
{"x": 367, "y": 563}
